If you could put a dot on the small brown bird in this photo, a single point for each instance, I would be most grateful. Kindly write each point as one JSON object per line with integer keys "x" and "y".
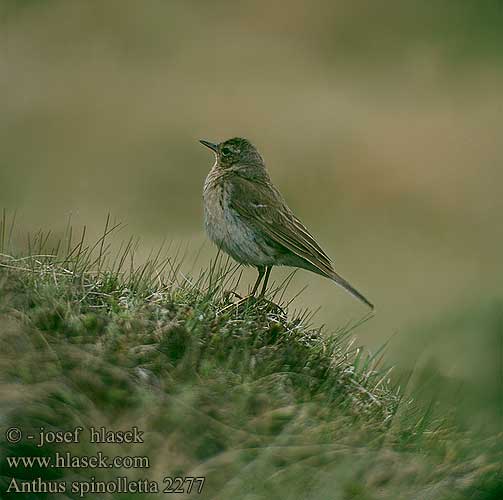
{"x": 246, "y": 216}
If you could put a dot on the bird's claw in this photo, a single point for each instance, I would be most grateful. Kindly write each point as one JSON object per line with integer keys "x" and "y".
{"x": 260, "y": 302}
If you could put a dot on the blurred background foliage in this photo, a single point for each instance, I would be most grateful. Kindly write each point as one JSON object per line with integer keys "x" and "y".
{"x": 380, "y": 122}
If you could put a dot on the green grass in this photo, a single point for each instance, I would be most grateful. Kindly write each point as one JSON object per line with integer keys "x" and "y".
{"x": 255, "y": 398}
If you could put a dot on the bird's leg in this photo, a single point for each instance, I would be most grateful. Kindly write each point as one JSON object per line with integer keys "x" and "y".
{"x": 261, "y": 270}
{"x": 264, "y": 286}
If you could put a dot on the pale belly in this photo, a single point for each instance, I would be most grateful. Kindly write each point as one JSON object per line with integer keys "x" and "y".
{"x": 233, "y": 235}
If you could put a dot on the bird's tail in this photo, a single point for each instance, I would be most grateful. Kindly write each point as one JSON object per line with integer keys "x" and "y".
{"x": 348, "y": 287}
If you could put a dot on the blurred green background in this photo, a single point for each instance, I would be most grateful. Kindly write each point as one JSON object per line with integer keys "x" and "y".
{"x": 379, "y": 121}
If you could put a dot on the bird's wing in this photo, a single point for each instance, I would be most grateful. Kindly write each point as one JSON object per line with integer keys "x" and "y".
{"x": 263, "y": 206}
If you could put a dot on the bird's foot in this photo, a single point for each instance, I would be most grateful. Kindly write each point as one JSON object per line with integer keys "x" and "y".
{"x": 231, "y": 293}
{"x": 268, "y": 306}
{"x": 260, "y": 302}
{"x": 239, "y": 304}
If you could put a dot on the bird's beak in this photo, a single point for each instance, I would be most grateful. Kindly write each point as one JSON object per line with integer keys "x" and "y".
{"x": 213, "y": 147}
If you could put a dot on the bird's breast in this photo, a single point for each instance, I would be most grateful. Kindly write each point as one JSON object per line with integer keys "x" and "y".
{"x": 216, "y": 206}
{"x": 227, "y": 229}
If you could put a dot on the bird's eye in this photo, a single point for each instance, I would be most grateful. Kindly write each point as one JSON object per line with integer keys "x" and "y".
{"x": 226, "y": 151}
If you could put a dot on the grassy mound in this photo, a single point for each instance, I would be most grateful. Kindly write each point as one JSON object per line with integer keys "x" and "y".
{"x": 251, "y": 397}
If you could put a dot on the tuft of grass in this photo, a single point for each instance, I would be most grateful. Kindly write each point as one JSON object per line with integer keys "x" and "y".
{"x": 251, "y": 396}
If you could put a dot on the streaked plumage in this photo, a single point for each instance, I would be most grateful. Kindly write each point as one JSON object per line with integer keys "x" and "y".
{"x": 246, "y": 216}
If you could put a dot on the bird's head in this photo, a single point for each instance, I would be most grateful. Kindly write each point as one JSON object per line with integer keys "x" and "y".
{"x": 235, "y": 152}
